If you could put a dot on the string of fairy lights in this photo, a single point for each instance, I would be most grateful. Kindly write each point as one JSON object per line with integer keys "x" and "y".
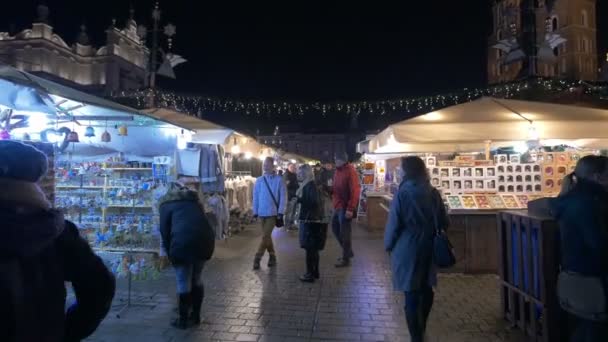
{"x": 200, "y": 105}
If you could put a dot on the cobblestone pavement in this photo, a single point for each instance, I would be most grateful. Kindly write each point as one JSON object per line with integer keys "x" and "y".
{"x": 354, "y": 304}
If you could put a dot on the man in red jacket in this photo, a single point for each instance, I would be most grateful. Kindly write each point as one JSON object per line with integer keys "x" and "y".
{"x": 346, "y": 189}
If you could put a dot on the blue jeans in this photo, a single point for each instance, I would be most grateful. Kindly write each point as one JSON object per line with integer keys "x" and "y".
{"x": 341, "y": 226}
{"x": 417, "y": 309}
{"x": 188, "y": 276}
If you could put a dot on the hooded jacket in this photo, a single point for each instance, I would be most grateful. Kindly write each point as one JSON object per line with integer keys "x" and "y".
{"x": 582, "y": 215}
{"x": 186, "y": 233}
{"x": 346, "y": 188}
{"x": 39, "y": 252}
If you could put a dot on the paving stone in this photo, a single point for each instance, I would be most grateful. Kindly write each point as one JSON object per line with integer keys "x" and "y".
{"x": 353, "y": 304}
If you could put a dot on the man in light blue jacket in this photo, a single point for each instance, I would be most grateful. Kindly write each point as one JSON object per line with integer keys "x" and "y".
{"x": 269, "y": 202}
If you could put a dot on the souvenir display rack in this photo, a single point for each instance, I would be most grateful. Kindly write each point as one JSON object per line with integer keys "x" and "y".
{"x": 506, "y": 182}
{"x": 110, "y": 202}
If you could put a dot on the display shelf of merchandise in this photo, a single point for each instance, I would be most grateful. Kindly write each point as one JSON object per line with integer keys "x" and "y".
{"x": 112, "y": 206}
{"x": 506, "y": 182}
{"x": 127, "y": 168}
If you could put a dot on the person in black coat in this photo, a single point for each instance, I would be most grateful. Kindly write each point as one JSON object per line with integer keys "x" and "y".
{"x": 39, "y": 252}
{"x": 291, "y": 182}
{"x": 189, "y": 241}
{"x": 582, "y": 214}
{"x": 315, "y": 211}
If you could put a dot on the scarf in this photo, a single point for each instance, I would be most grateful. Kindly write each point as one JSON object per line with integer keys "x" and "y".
{"x": 23, "y": 193}
{"x": 301, "y": 188}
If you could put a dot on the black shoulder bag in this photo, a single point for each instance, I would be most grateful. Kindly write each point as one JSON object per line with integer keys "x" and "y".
{"x": 280, "y": 223}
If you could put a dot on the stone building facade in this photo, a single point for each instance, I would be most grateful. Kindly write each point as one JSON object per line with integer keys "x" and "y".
{"x": 120, "y": 64}
{"x": 574, "y": 20}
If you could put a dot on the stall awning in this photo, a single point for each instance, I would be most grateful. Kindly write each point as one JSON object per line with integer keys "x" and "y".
{"x": 23, "y": 91}
{"x": 468, "y": 126}
{"x": 204, "y": 132}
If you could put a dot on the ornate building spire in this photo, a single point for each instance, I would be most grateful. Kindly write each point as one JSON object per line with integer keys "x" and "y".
{"x": 83, "y": 37}
{"x": 43, "y": 13}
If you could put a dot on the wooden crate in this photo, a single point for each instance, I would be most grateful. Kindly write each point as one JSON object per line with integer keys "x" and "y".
{"x": 528, "y": 269}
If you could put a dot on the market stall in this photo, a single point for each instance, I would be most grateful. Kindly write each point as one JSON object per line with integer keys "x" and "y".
{"x": 484, "y": 156}
{"x": 108, "y": 163}
{"x": 221, "y": 164}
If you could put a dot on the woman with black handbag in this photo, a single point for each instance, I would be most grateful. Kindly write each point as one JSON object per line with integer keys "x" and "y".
{"x": 582, "y": 214}
{"x": 417, "y": 217}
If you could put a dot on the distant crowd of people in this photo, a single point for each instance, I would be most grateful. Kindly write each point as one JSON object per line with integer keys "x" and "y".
{"x": 313, "y": 197}
{"x": 40, "y": 250}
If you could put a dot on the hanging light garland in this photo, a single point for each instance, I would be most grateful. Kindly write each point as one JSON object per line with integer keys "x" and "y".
{"x": 199, "y": 105}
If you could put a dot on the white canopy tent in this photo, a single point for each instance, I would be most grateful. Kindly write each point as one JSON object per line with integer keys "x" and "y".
{"x": 38, "y": 105}
{"x": 202, "y": 131}
{"x": 471, "y": 126}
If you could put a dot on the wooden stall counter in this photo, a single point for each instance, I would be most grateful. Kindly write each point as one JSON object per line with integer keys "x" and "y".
{"x": 378, "y": 204}
{"x": 472, "y": 232}
{"x": 475, "y": 239}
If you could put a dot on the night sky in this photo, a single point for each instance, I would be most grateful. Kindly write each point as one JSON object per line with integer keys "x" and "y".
{"x": 301, "y": 51}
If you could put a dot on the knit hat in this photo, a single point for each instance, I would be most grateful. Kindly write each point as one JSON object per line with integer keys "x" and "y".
{"x": 21, "y": 162}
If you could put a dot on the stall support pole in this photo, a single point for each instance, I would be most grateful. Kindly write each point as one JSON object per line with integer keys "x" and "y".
{"x": 128, "y": 303}
{"x": 488, "y": 149}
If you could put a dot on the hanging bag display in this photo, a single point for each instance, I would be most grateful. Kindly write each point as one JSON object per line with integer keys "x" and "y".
{"x": 280, "y": 222}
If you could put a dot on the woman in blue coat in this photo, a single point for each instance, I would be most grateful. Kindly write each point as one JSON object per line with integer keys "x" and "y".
{"x": 416, "y": 212}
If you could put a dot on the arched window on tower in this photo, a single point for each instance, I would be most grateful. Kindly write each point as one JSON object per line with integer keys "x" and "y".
{"x": 584, "y": 18}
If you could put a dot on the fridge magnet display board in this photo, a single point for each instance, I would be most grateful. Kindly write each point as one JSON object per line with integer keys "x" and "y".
{"x": 510, "y": 202}
{"x": 468, "y": 202}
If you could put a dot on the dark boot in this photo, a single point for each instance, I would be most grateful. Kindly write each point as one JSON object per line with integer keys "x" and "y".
{"x": 343, "y": 263}
{"x": 256, "y": 262}
{"x": 184, "y": 310}
{"x": 272, "y": 260}
{"x": 198, "y": 294}
{"x": 315, "y": 268}
{"x": 309, "y": 277}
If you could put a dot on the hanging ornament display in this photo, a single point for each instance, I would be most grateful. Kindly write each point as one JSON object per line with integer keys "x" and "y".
{"x": 26, "y": 137}
{"x": 4, "y": 134}
{"x": 73, "y": 137}
{"x": 89, "y": 132}
{"x": 105, "y": 136}
{"x": 123, "y": 131}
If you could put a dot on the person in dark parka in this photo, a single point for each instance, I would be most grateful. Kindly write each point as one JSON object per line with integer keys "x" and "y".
{"x": 189, "y": 241}
{"x": 315, "y": 214}
{"x": 39, "y": 252}
{"x": 416, "y": 212}
{"x": 582, "y": 214}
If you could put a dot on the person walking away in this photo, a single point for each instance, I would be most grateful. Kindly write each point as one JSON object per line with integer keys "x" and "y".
{"x": 582, "y": 215}
{"x": 326, "y": 175}
{"x": 39, "y": 252}
{"x": 345, "y": 193}
{"x": 291, "y": 182}
{"x": 269, "y": 203}
{"x": 315, "y": 213}
{"x": 417, "y": 211}
{"x": 189, "y": 241}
